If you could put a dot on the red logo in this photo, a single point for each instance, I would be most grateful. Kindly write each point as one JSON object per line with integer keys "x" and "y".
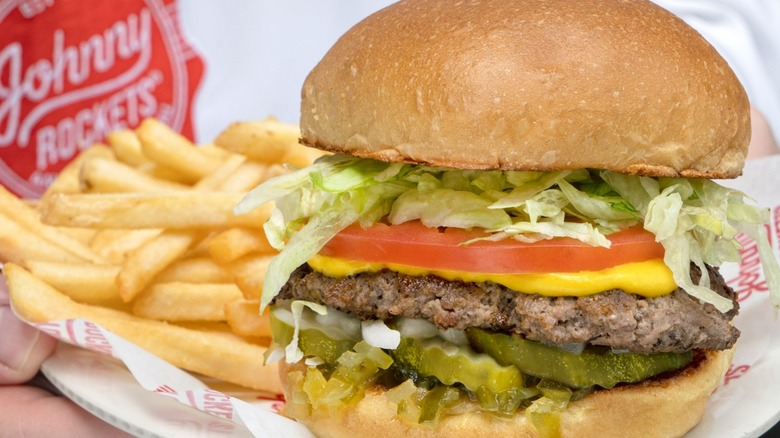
{"x": 751, "y": 274}
{"x": 72, "y": 71}
{"x": 165, "y": 389}
{"x": 735, "y": 372}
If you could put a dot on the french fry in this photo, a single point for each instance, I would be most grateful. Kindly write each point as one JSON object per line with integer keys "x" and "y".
{"x": 159, "y": 171}
{"x": 170, "y": 149}
{"x": 300, "y": 156}
{"x": 144, "y": 230}
{"x": 143, "y": 264}
{"x": 68, "y": 179}
{"x": 249, "y": 175}
{"x": 127, "y": 147}
{"x": 245, "y": 319}
{"x": 266, "y": 141}
{"x": 100, "y": 175}
{"x": 136, "y": 273}
{"x": 216, "y": 152}
{"x": 198, "y": 250}
{"x": 195, "y": 270}
{"x": 217, "y": 354}
{"x": 221, "y": 175}
{"x": 178, "y": 301}
{"x": 208, "y": 326}
{"x": 235, "y": 243}
{"x": 179, "y": 210}
{"x": 83, "y": 282}
{"x": 249, "y": 272}
{"x": 81, "y": 235}
{"x": 18, "y": 244}
{"x": 115, "y": 245}
{"x": 29, "y": 219}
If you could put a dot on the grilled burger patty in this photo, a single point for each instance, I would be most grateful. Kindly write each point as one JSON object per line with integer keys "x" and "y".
{"x": 672, "y": 323}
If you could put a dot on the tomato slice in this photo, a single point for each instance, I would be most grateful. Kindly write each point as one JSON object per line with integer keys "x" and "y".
{"x": 414, "y": 244}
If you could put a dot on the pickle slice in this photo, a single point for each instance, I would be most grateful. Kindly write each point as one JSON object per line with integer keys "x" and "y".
{"x": 452, "y": 364}
{"x": 311, "y": 341}
{"x": 593, "y": 366}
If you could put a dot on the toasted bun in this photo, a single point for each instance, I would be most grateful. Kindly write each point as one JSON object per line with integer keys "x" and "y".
{"x": 661, "y": 407}
{"x": 531, "y": 85}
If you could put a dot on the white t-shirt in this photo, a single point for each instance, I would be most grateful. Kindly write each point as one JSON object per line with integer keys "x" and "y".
{"x": 747, "y": 35}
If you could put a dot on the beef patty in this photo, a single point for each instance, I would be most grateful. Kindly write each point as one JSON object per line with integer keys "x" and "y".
{"x": 675, "y": 322}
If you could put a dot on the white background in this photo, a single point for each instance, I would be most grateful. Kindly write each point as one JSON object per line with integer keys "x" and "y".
{"x": 259, "y": 52}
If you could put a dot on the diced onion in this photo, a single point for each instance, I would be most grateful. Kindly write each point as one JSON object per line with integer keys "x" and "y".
{"x": 457, "y": 337}
{"x": 416, "y": 328}
{"x": 377, "y": 334}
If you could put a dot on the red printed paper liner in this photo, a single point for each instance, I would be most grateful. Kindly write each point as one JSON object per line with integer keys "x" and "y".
{"x": 104, "y": 387}
{"x": 127, "y": 387}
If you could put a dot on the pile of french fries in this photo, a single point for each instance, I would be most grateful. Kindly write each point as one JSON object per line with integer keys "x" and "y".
{"x": 139, "y": 236}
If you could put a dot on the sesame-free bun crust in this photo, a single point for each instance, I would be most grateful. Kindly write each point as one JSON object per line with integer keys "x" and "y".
{"x": 622, "y": 85}
{"x": 661, "y": 407}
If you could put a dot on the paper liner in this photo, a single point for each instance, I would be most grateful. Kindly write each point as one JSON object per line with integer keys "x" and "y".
{"x": 160, "y": 377}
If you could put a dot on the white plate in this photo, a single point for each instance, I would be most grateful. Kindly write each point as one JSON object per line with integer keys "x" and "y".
{"x": 104, "y": 387}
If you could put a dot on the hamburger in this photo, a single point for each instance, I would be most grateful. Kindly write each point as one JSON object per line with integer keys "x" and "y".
{"x": 517, "y": 232}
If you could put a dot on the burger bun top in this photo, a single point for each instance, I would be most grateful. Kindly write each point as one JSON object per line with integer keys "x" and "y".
{"x": 530, "y": 85}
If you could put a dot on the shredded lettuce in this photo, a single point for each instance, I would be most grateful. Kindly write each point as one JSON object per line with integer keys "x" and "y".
{"x": 696, "y": 220}
{"x": 339, "y": 326}
{"x": 293, "y": 352}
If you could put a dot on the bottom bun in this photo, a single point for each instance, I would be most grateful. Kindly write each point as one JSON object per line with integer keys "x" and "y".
{"x": 660, "y": 407}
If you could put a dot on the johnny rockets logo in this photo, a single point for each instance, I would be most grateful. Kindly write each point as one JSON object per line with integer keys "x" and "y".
{"x": 72, "y": 71}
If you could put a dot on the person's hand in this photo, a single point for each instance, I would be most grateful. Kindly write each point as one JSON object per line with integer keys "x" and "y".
{"x": 22, "y": 347}
{"x": 762, "y": 142}
{"x": 28, "y": 410}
